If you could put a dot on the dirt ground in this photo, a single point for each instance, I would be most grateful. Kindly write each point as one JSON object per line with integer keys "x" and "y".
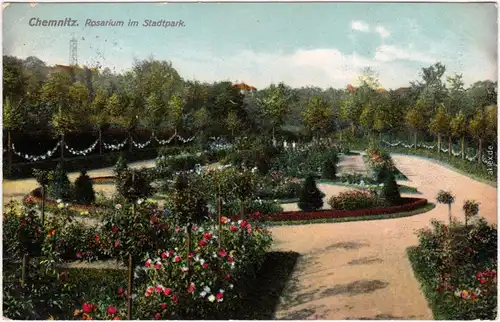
{"x": 360, "y": 270}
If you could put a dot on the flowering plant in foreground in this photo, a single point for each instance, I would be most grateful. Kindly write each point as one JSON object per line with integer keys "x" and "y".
{"x": 204, "y": 283}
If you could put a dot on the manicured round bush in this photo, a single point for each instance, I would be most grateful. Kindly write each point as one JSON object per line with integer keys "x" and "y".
{"x": 310, "y": 197}
{"x": 84, "y": 191}
{"x": 355, "y": 200}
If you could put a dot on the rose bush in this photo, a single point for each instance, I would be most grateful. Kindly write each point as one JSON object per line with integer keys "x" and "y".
{"x": 457, "y": 266}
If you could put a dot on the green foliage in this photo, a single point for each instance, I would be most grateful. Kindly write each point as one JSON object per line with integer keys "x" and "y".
{"x": 123, "y": 233}
{"x": 84, "y": 190}
{"x": 121, "y": 165}
{"x": 329, "y": 166}
{"x": 356, "y": 200}
{"x": 59, "y": 184}
{"x": 390, "y": 189}
{"x": 189, "y": 199}
{"x": 310, "y": 197}
{"x": 445, "y": 197}
{"x": 135, "y": 184}
{"x": 42, "y": 177}
{"x": 22, "y": 231}
{"x": 471, "y": 209}
{"x": 457, "y": 268}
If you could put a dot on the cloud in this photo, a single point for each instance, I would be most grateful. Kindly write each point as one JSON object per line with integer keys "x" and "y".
{"x": 388, "y": 53}
{"x": 359, "y": 25}
{"x": 382, "y": 31}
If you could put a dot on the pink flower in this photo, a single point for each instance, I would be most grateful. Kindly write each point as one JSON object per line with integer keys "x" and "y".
{"x": 228, "y": 276}
{"x": 202, "y": 243}
{"x": 170, "y": 253}
{"x": 117, "y": 243}
{"x": 243, "y": 224}
{"x": 159, "y": 288}
{"x": 195, "y": 227}
{"x": 191, "y": 288}
{"x": 158, "y": 265}
{"x": 148, "y": 263}
{"x": 175, "y": 299}
{"x": 185, "y": 269}
{"x": 163, "y": 305}
{"x": 157, "y": 316}
{"x": 205, "y": 265}
{"x": 79, "y": 255}
{"x": 164, "y": 255}
{"x": 120, "y": 291}
{"x": 112, "y": 310}
{"x": 177, "y": 228}
{"x": 114, "y": 228}
{"x": 167, "y": 291}
{"x": 219, "y": 296}
{"x": 249, "y": 230}
{"x": 222, "y": 253}
{"x": 177, "y": 259}
{"x": 207, "y": 236}
{"x": 230, "y": 259}
{"x": 233, "y": 228}
{"x": 190, "y": 255}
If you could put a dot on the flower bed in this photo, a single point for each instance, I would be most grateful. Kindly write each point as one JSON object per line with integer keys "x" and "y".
{"x": 103, "y": 180}
{"x": 409, "y": 204}
{"x": 35, "y": 197}
{"x": 457, "y": 267}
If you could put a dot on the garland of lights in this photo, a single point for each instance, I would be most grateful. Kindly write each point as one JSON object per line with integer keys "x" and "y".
{"x": 82, "y": 152}
{"x": 33, "y": 158}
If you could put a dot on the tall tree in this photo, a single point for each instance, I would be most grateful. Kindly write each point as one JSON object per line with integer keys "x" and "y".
{"x": 459, "y": 129}
{"x": 440, "y": 125}
{"x": 318, "y": 117}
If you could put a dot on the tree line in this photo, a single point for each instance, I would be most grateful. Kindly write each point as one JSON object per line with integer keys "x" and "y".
{"x": 154, "y": 96}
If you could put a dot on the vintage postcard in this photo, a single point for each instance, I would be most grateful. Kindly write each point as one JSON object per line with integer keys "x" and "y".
{"x": 249, "y": 161}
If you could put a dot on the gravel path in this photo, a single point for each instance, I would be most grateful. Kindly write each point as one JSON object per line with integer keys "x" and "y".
{"x": 360, "y": 270}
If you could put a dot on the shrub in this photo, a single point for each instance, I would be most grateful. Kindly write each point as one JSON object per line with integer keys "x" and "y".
{"x": 121, "y": 165}
{"x": 59, "y": 185}
{"x": 310, "y": 198}
{"x": 122, "y": 233}
{"x": 134, "y": 184}
{"x": 183, "y": 162}
{"x": 329, "y": 166}
{"x": 390, "y": 189}
{"x": 445, "y": 197}
{"x": 22, "y": 231}
{"x": 84, "y": 190}
{"x": 355, "y": 200}
{"x": 457, "y": 267}
{"x": 471, "y": 209}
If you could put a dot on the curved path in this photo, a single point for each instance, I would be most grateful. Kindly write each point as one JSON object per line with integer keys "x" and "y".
{"x": 360, "y": 270}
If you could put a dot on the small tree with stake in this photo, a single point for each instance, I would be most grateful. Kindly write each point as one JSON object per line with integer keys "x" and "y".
{"x": 133, "y": 185}
{"x": 42, "y": 177}
{"x": 471, "y": 209}
{"x": 244, "y": 188}
{"x": 445, "y": 197}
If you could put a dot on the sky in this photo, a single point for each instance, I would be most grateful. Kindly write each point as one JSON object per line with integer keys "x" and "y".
{"x": 301, "y": 44}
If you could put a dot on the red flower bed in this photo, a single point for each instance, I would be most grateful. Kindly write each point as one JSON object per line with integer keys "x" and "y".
{"x": 103, "y": 179}
{"x": 411, "y": 204}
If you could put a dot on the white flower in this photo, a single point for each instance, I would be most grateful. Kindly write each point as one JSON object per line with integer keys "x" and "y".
{"x": 202, "y": 261}
{"x": 214, "y": 255}
{"x": 118, "y": 206}
{"x": 140, "y": 201}
{"x": 221, "y": 291}
{"x": 231, "y": 286}
{"x": 58, "y": 200}
{"x": 207, "y": 289}
{"x": 211, "y": 298}
{"x": 203, "y": 294}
